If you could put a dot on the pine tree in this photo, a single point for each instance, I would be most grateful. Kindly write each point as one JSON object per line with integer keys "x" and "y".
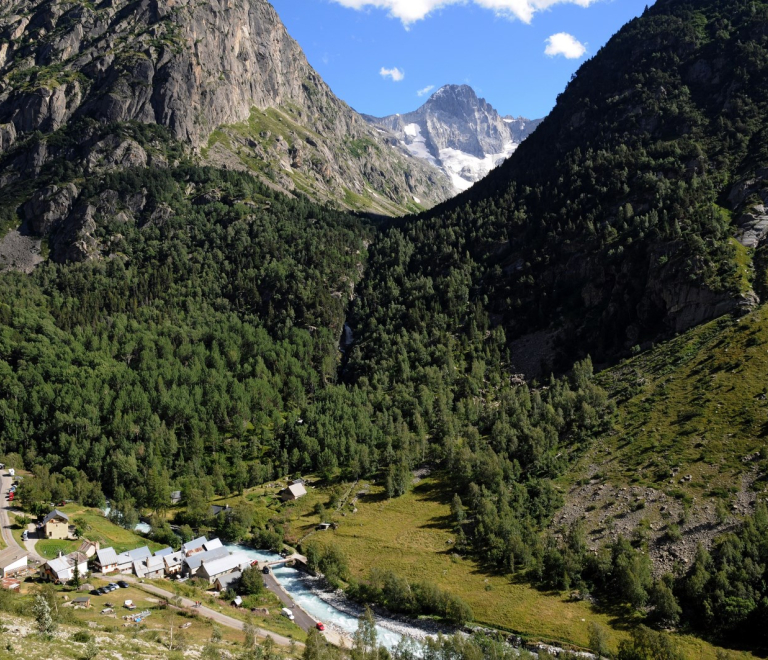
{"x": 42, "y": 611}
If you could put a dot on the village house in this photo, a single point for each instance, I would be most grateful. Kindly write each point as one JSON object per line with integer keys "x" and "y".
{"x": 213, "y": 569}
{"x": 106, "y": 560}
{"x": 224, "y": 582}
{"x": 62, "y": 569}
{"x": 213, "y": 545}
{"x": 82, "y": 601}
{"x": 293, "y": 492}
{"x": 192, "y": 564}
{"x": 126, "y": 560}
{"x": 173, "y": 563}
{"x": 149, "y": 567}
{"x": 55, "y": 525}
{"x": 191, "y": 547}
{"x": 12, "y": 562}
{"x": 88, "y": 548}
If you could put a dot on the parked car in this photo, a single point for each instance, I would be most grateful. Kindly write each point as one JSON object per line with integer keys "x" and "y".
{"x": 265, "y": 570}
{"x": 320, "y": 626}
{"x": 123, "y": 584}
{"x": 287, "y": 613}
{"x": 95, "y": 592}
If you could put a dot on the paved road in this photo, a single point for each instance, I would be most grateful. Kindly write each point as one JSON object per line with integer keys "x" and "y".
{"x": 223, "y": 619}
{"x": 13, "y": 547}
{"x": 301, "y": 618}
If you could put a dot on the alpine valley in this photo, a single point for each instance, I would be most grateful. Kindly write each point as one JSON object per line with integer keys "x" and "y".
{"x": 498, "y": 379}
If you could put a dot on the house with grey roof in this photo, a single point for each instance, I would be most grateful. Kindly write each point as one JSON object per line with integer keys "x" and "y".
{"x": 106, "y": 560}
{"x": 191, "y": 547}
{"x": 213, "y": 569}
{"x": 224, "y": 582}
{"x": 192, "y": 564}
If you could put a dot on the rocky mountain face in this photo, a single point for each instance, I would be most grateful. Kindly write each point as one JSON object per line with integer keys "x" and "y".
{"x": 223, "y": 78}
{"x": 460, "y": 133}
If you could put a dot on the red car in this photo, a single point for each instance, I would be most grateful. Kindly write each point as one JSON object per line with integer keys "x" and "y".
{"x": 320, "y": 626}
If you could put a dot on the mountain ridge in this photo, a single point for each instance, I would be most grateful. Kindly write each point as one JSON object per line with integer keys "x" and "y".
{"x": 194, "y": 69}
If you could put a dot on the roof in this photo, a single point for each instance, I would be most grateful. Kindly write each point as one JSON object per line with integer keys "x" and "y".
{"x": 106, "y": 556}
{"x": 215, "y": 509}
{"x": 195, "y": 561}
{"x": 297, "y": 490}
{"x": 229, "y": 578}
{"x": 11, "y": 559}
{"x": 82, "y": 599}
{"x": 213, "y": 544}
{"x": 133, "y": 555}
{"x": 164, "y": 552}
{"x": 226, "y": 564}
{"x": 59, "y": 565}
{"x": 194, "y": 545}
{"x": 171, "y": 561}
{"x": 55, "y": 514}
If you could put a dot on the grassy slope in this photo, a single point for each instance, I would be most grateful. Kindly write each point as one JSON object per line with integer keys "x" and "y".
{"x": 412, "y": 536}
{"x": 696, "y": 404}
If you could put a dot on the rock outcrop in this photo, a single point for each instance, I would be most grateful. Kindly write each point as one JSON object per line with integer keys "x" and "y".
{"x": 197, "y": 69}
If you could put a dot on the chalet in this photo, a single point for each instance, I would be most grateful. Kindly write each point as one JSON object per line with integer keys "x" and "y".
{"x": 149, "y": 567}
{"x": 88, "y": 548}
{"x": 126, "y": 560}
{"x": 55, "y": 525}
{"x": 173, "y": 563}
{"x": 82, "y": 601}
{"x": 62, "y": 569}
{"x": 224, "y": 582}
{"x": 12, "y": 563}
{"x": 192, "y": 547}
{"x": 192, "y": 564}
{"x": 213, "y": 569}
{"x": 293, "y": 492}
{"x": 106, "y": 560}
{"x": 176, "y": 497}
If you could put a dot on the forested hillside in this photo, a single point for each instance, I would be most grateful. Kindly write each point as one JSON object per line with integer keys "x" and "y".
{"x": 195, "y": 344}
{"x": 612, "y": 224}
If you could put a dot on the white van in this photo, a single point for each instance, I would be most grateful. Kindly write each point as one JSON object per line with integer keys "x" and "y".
{"x": 287, "y": 613}
{"x": 11, "y": 472}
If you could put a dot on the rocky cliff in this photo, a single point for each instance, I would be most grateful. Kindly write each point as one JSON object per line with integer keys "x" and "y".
{"x": 459, "y": 132}
{"x": 223, "y": 77}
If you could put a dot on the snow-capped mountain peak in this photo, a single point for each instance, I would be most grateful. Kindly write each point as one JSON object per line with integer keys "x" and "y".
{"x": 459, "y": 132}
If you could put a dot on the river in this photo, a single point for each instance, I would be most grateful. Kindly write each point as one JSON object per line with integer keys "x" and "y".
{"x": 296, "y": 584}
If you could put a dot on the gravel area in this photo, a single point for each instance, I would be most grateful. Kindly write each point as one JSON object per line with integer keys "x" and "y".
{"x": 20, "y": 251}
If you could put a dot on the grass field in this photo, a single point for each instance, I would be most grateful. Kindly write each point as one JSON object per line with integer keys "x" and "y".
{"x": 98, "y": 528}
{"x": 412, "y": 536}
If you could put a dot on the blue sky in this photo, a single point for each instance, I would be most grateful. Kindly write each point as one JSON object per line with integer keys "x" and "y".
{"x": 468, "y": 41}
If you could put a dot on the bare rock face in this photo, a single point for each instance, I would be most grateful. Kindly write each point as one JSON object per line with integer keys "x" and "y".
{"x": 49, "y": 207}
{"x": 191, "y": 67}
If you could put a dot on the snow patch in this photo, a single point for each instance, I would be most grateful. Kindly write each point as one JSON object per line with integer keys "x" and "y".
{"x": 416, "y": 144}
{"x": 465, "y": 169}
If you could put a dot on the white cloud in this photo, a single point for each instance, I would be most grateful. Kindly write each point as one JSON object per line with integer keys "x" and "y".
{"x": 425, "y": 91}
{"x": 395, "y": 74}
{"x": 410, "y": 11}
{"x": 566, "y": 45}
